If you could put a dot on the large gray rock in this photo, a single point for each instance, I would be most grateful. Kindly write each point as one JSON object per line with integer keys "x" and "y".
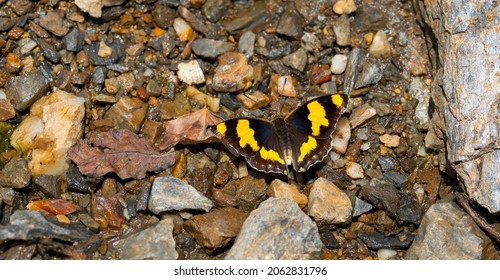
{"x": 466, "y": 92}
{"x": 31, "y": 225}
{"x": 277, "y": 230}
{"x": 447, "y": 232}
{"x": 153, "y": 243}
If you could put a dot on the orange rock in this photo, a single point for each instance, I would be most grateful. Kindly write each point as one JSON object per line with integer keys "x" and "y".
{"x": 53, "y": 206}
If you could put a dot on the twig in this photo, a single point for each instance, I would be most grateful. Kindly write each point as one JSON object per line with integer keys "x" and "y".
{"x": 488, "y": 228}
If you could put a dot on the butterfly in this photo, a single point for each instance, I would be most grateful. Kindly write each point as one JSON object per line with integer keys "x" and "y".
{"x": 301, "y": 139}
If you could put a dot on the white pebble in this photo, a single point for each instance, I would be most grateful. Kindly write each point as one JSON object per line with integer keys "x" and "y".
{"x": 190, "y": 73}
{"x": 385, "y": 254}
{"x": 339, "y": 63}
{"x": 354, "y": 170}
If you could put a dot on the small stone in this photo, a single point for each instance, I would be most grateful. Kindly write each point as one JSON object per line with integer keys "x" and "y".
{"x": 371, "y": 74}
{"x": 342, "y": 30}
{"x": 380, "y": 46}
{"x": 409, "y": 211}
{"x": 296, "y": 60}
{"x": 320, "y": 74}
{"x": 279, "y": 189}
{"x": 354, "y": 170}
{"x": 328, "y": 204}
{"x": 382, "y": 195}
{"x": 163, "y": 16}
{"x": 390, "y": 141}
{"x": 107, "y": 210}
{"x": 55, "y": 119}
{"x": 25, "y": 90}
{"x": 386, "y": 254}
{"x": 49, "y": 51}
{"x": 250, "y": 192}
{"x": 126, "y": 81}
{"x": 104, "y": 51}
{"x": 277, "y": 230}
{"x": 361, "y": 114}
{"x": 344, "y": 7}
{"x": 48, "y": 185}
{"x": 376, "y": 241}
{"x": 341, "y": 136}
{"x": 448, "y": 233}
{"x": 170, "y": 193}
{"x": 360, "y": 206}
{"x": 339, "y": 63}
{"x": 385, "y": 163}
{"x": 291, "y": 24}
{"x": 397, "y": 179}
{"x": 233, "y": 73}
{"x": 152, "y": 243}
{"x": 13, "y": 64}
{"x": 283, "y": 85}
{"x": 216, "y": 229}
{"x": 246, "y": 44}
{"x": 190, "y": 73}
{"x": 89, "y": 222}
{"x": 22, "y": 7}
{"x": 7, "y": 111}
{"x": 15, "y": 174}
{"x": 183, "y": 29}
{"x": 255, "y": 100}
{"x": 128, "y": 113}
{"x": 116, "y": 54}
{"x": 26, "y": 45}
{"x": 310, "y": 42}
{"x": 8, "y": 196}
{"x": 74, "y": 40}
{"x": 253, "y": 16}
{"x": 31, "y": 225}
{"x": 54, "y": 22}
{"x": 199, "y": 98}
{"x": 112, "y": 85}
{"x": 208, "y": 48}
{"x": 215, "y": 9}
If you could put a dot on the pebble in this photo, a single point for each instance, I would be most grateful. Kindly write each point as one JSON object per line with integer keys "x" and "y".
{"x": 54, "y": 22}
{"x": 320, "y": 74}
{"x": 255, "y": 100}
{"x": 283, "y": 85}
{"x": 56, "y": 119}
{"x": 277, "y": 230}
{"x": 190, "y": 73}
{"x": 371, "y": 74}
{"x": 32, "y": 225}
{"x": 383, "y": 109}
{"x": 409, "y": 211}
{"x": 93, "y": 7}
{"x": 354, "y": 170}
{"x": 104, "y": 51}
{"x": 386, "y": 254}
{"x": 310, "y": 42}
{"x": 74, "y": 40}
{"x": 215, "y": 9}
{"x": 23, "y": 91}
{"x": 278, "y": 189}
{"x": 216, "y": 229}
{"x": 163, "y": 16}
{"x": 341, "y": 136}
{"x": 15, "y": 174}
{"x": 250, "y": 192}
{"x": 390, "y": 141}
{"x": 328, "y": 205}
{"x": 359, "y": 206}
{"x": 253, "y": 16}
{"x": 395, "y": 178}
{"x": 211, "y": 49}
{"x": 380, "y": 46}
{"x": 152, "y": 243}
{"x": 88, "y": 222}
{"x": 385, "y": 163}
{"x": 8, "y": 196}
{"x": 26, "y": 45}
{"x": 344, "y": 7}
{"x": 117, "y": 52}
{"x": 246, "y": 44}
{"x": 126, "y": 81}
{"x": 22, "y": 7}
{"x": 382, "y": 195}
{"x": 170, "y": 193}
{"x": 342, "y": 30}
{"x": 128, "y": 113}
{"x": 49, "y": 51}
{"x": 107, "y": 210}
{"x": 7, "y": 110}
{"x": 47, "y": 184}
{"x": 78, "y": 183}
{"x": 339, "y": 63}
{"x": 201, "y": 99}
{"x": 296, "y": 60}
{"x": 377, "y": 241}
{"x": 361, "y": 114}
{"x": 291, "y": 24}
{"x": 448, "y": 233}
{"x": 183, "y": 29}
{"x": 233, "y": 73}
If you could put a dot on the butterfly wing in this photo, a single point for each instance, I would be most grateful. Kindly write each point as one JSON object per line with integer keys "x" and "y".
{"x": 311, "y": 126}
{"x": 256, "y": 140}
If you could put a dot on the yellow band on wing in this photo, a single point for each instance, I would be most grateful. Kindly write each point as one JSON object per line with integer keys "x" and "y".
{"x": 317, "y": 116}
{"x": 337, "y": 100}
{"x": 246, "y": 135}
{"x": 271, "y": 155}
{"x": 307, "y": 147}
{"x": 221, "y": 128}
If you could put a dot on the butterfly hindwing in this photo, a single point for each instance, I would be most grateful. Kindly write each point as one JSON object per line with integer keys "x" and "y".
{"x": 319, "y": 116}
{"x": 256, "y": 140}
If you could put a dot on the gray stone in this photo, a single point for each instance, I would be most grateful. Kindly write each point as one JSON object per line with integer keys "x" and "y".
{"x": 26, "y": 45}
{"x": 277, "y": 230}
{"x": 296, "y": 60}
{"x": 395, "y": 178}
{"x": 376, "y": 241}
{"x": 8, "y": 195}
{"x": 170, "y": 193}
{"x": 370, "y": 74}
{"x": 359, "y": 206}
{"x": 74, "y": 40}
{"x": 291, "y": 24}
{"x": 246, "y": 44}
{"x": 15, "y": 174}
{"x": 118, "y": 52}
{"x": 466, "y": 94}
{"x": 382, "y": 195}
{"x": 447, "y": 233}
{"x": 47, "y": 184}
{"x": 153, "y": 243}
{"x": 248, "y": 18}
{"x": 30, "y": 225}
{"x": 385, "y": 163}
{"x": 25, "y": 90}
{"x": 49, "y": 51}
{"x": 208, "y": 48}
{"x": 409, "y": 211}
{"x": 215, "y": 9}
{"x": 421, "y": 92}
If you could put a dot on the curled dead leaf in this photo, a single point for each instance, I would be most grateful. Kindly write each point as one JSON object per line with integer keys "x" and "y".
{"x": 189, "y": 129}
{"x": 119, "y": 151}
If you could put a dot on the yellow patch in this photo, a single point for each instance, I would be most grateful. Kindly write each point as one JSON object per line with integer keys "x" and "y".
{"x": 245, "y": 133}
{"x": 271, "y": 155}
{"x": 337, "y": 100}
{"x": 222, "y": 128}
{"x": 307, "y": 147}
{"x": 317, "y": 116}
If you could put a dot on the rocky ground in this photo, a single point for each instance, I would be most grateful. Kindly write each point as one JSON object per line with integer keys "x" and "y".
{"x": 104, "y": 152}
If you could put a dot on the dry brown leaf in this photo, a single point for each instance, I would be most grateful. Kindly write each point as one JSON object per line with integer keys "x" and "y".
{"x": 189, "y": 129}
{"x": 52, "y": 206}
{"x": 119, "y": 151}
